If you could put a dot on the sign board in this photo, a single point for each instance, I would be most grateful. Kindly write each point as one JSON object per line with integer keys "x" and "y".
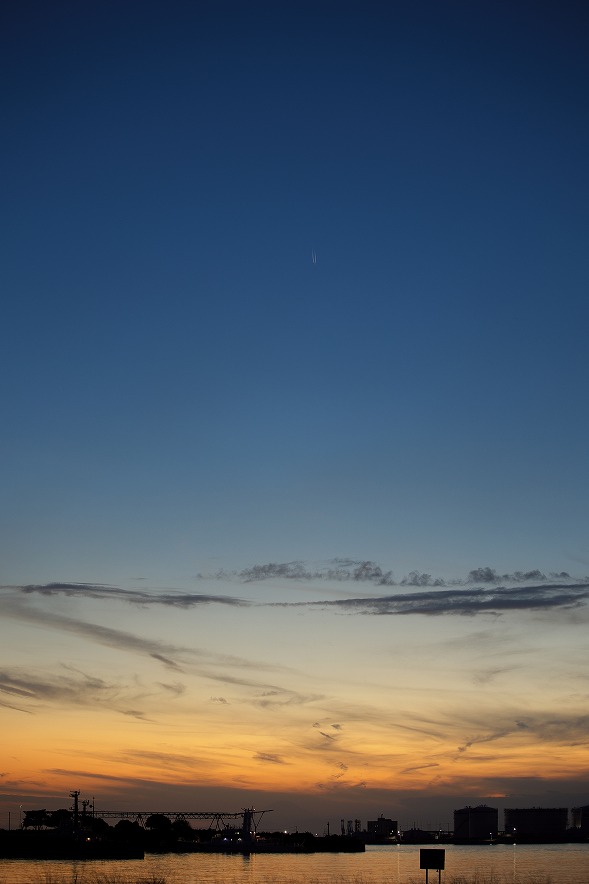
{"x": 432, "y": 859}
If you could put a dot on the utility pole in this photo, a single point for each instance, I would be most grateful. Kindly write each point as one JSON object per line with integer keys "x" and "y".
{"x": 75, "y": 795}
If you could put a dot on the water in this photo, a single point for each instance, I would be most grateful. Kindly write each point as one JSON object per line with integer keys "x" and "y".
{"x": 498, "y": 864}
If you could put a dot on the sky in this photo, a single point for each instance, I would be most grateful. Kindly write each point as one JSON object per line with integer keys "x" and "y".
{"x": 293, "y": 387}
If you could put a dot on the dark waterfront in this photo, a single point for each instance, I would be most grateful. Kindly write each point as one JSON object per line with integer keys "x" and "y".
{"x": 489, "y": 864}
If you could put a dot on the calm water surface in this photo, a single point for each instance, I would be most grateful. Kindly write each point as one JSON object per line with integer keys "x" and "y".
{"x": 499, "y": 864}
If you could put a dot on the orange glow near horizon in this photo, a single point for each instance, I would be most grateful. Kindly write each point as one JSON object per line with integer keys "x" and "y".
{"x": 127, "y": 706}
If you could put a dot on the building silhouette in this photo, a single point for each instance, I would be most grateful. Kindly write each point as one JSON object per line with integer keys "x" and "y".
{"x": 476, "y": 823}
{"x": 536, "y": 822}
{"x": 580, "y": 819}
{"x": 381, "y": 828}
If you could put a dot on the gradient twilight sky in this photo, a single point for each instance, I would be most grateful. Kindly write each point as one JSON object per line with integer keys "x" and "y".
{"x": 309, "y": 536}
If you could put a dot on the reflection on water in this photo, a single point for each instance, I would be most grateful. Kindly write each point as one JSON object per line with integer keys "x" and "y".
{"x": 490, "y": 864}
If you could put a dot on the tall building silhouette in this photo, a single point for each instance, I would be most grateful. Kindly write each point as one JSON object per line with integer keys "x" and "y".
{"x": 476, "y": 823}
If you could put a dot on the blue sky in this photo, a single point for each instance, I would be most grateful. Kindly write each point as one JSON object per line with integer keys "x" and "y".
{"x": 184, "y": 392}
{"x": 180, "y": 376}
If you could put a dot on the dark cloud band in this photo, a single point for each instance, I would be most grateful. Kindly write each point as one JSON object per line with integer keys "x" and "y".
{"x": 467, "y": 601}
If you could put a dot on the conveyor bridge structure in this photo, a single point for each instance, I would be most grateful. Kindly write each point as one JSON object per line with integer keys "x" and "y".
{"x": 250, "y": 818}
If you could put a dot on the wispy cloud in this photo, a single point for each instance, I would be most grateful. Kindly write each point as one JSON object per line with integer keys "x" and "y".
{"x": 483, "y": 590}
{"x": 68, "y": 687}
{"x": 104, "y": 635}
{"x": 367, "y": 571}
{"x": 488, "y": 674}
{"x": 336, "y": 570}
{"x": 269, "y": 758}
{"x": 280, "y": 697}
{"x": 420, "y": 767}
{"x": 134, "y": 597}
{"x": 538, "y": 727}
{"x": 557, "y": 726}
{"x": 176, "y": 658}
{"x": 336, "y": 785}
{"x": 13, "y": 706}
{"x": 165, "y": 760}
{"x": 462, "y": 601}
{"x": 486, "y": 738}
{"x": 170, "y": 664}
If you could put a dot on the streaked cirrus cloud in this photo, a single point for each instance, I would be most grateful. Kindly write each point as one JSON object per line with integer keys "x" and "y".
{"x": 459, "y": 601}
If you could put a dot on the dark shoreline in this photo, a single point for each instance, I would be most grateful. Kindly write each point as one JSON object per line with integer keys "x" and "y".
{"x": 50, "y": 845}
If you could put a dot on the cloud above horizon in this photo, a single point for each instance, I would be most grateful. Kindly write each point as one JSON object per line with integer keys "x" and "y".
{"x": 484, "y": 590}
{"x": 180, "y": 659}
{"x": 494, "y": 600}
{"x": 134, "y": 597}
{"x": 367, "y": 571}
{"x": 30, "y": 690}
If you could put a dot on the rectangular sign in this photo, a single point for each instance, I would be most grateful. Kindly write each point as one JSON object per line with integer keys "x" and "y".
{"x": 432, "y": 859}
